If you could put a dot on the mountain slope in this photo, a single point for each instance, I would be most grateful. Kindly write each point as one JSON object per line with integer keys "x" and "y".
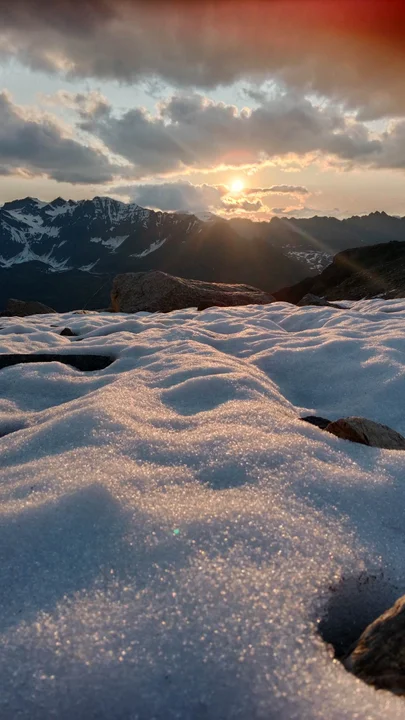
{"x": 65, "y": 253}
{"x": 367, "y": 272}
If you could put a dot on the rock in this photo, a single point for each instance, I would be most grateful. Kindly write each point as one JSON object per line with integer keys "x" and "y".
{"x": 20, "y": 308}
{"x": 67, "y": 332}
{"x": 378, "y": 657}
{"x": 367, "y": 432}
{"x": 310, "y": 299}
{"x": 157, "y": 291}
{"x": 317, "y": 421}
{"x": 85, "y": 363}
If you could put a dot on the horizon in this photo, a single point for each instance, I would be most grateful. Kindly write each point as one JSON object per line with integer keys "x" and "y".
{"x": 288, "y": 108}
{"x": 189, "y": 212}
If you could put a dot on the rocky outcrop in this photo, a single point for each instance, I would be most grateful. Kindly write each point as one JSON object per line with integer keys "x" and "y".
{"x": 363, "y": 272}
{"x": 378, "y": 657}
{"x": 67, "y": 332}
{"x": 159, "y": 292}
{"x": 360, "y": 430}
{"x": 20, "y": 308}
{"x": 367, "y": 432}
{"x": 310, "y": 299}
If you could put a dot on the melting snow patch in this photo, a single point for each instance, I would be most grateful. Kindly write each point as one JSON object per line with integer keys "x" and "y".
{"x": 152, "y": 247}
{"x": 174, "y": 541}
{"x": 113, "y": 242}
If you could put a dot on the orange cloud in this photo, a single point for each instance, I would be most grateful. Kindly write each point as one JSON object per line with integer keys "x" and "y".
{"x": 349, "y": 49}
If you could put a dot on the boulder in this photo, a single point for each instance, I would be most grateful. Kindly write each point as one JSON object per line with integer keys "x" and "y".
{"x": 310, "y": 299}
{"x": 378, "y": 657}
{"x": 157, "y": 291}
{"x": 316, "y": 420}
{"x": 67, "y": 332}
{"x": 20, "y": 308}
{"x": 367, "y": 432}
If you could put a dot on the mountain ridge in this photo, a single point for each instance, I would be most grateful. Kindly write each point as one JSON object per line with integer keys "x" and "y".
{"x": 62, "y": 252}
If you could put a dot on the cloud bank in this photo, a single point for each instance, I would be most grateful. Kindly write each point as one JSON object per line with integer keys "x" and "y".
{"x": 37, "y": 146}
{"x": 352, "y": 51}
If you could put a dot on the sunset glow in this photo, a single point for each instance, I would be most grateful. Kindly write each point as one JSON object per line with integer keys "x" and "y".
{"x": 237, "y": 186}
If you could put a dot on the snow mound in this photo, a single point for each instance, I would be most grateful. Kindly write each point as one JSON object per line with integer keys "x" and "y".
{"x": 174, "y": 542}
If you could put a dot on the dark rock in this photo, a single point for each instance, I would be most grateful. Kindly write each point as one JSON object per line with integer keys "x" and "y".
{"x": 378, "y": 657}
{"x": 86, "y": 363}
{"x": 159, "y": 292}
{"x": 67, "y": 332}
{"x": 316, "y": 420}
{"x": 20, "y": 308}
{"x": 367, "y": 432}
{"x": 310, "y": 299}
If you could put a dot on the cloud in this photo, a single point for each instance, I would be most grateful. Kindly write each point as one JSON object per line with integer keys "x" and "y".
{"x": 191, "y": 131}
{"x": 302, "y": 212}
{"x": 236, "y": 204}
{"x": 38, "y": 146}
{"x": 175, "y": 196}
{"x": 352, "y": 51}
{"x": 278, "y": 189}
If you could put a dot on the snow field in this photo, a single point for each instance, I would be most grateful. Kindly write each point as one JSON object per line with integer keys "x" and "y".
{"x": 171, "y": 533}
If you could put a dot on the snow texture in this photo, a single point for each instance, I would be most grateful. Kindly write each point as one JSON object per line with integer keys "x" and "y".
{"x": 171, "y": 534}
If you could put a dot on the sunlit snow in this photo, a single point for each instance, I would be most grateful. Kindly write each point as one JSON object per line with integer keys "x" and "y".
{"x": 171, "y": 532}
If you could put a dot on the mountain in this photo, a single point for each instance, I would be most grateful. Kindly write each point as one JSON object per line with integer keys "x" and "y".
{"x": 65, "y": 253}
{"x": 365, "y": 272}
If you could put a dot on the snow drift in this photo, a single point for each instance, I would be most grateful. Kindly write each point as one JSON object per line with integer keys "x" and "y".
{"x": 173, "y": 539}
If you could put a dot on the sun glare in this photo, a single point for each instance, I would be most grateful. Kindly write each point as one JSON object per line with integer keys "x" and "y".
{"x": 237, "y": 186}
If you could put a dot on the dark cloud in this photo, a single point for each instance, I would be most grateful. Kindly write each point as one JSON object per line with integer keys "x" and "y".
{"x": 192, "y": 132}
{"x": 236, "y": 204}
{"x": 278, "y": 189}
{"x": 175, "y": 196}
{"x": 353, "y": 51}
{"x": 39, "y": 147}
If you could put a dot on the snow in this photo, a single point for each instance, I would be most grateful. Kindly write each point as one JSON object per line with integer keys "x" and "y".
{"x": 67, "y": 208}
{"x": 171, "y": 533}
{"x": 28, "y": 255}
{"x": 315, "y": 259}
{"x": 152, "y": 247}
{"x": 112, "y": 242}
{"x": 89, "y": 267}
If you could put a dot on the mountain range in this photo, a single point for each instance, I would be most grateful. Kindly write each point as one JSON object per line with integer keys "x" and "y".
{"x": 65, "y": 253}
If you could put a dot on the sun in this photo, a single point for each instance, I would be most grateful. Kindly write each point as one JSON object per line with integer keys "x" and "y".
{"x": 237, "y": 186}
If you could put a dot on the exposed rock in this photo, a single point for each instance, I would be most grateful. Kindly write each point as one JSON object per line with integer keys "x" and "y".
{"x": 86, "y": 363}
{"x": 317, "y": 421}
{"x": 378, "y": 657}
{"x": 157, "y": 291}
{"x": 67, "y": 332}
{"x": 361, "y": 272}
{"x": 367, "y": 432}
{"x": 310, "y": 299}
{"x": 20, "y": 308}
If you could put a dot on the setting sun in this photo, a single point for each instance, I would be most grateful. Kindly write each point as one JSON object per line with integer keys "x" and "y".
{"x": 237, "y": 186}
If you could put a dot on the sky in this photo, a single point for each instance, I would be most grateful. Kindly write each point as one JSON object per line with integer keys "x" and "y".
{"x": 248, "y": 108}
